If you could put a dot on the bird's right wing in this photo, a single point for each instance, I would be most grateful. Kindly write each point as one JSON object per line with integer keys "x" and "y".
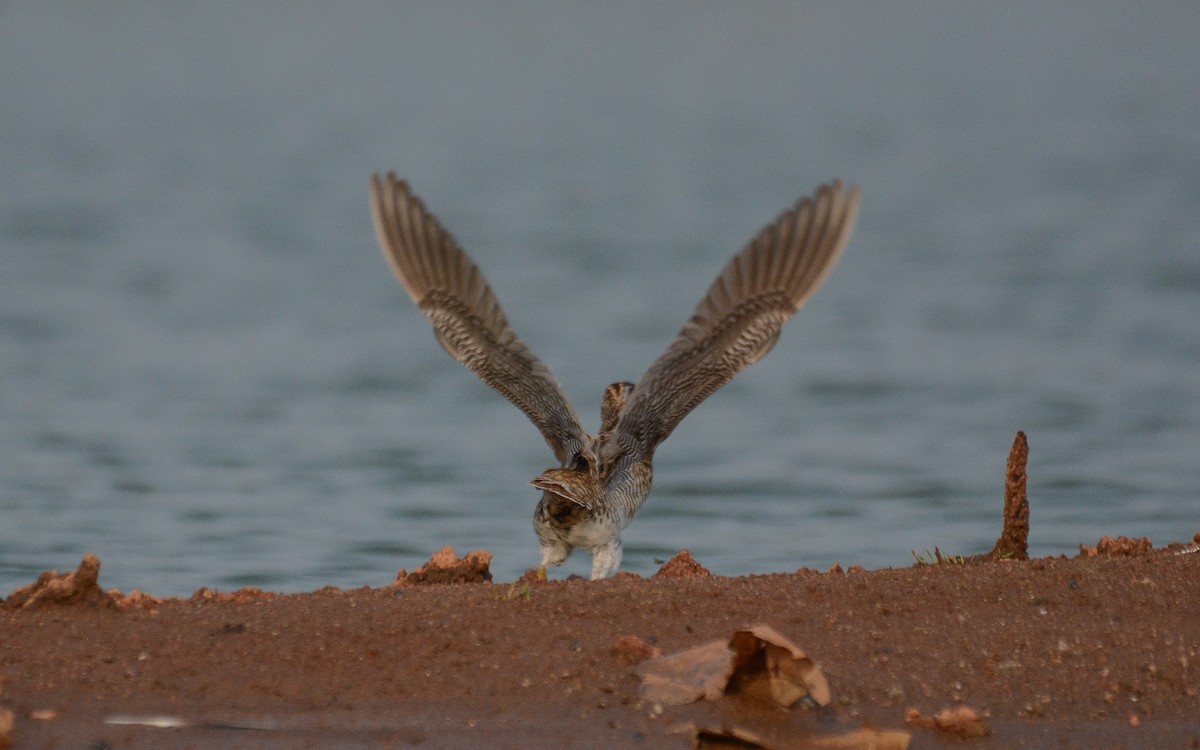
{"x": 467, "y": 320}
{"x": 740, "y": 317}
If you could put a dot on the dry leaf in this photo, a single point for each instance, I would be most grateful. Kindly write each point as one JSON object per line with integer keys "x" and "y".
{"x": 686, "y": 676}
{"x": 790, "y": 675}
{"x": 704, "y": 738}
{"x": 753, "y": 659}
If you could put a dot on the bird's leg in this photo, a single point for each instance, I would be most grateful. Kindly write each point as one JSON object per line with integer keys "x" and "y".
{"x": 541, "y": 573}
{"x": 606, "y": 559}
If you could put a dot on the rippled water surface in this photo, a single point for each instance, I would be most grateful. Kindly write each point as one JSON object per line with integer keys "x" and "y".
{"x": 208, "y": 376}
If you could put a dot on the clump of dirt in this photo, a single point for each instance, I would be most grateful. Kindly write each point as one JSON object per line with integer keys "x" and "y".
{"x": 630, "y": 650}
{"x": 960, "y": 721}
{"x": 240, "y": 596}
{"x": 136, "y": 598}
{"x": 1014, "y": 538}
{"x": 1122, "y": 546}
{"x": 52, "y": 587}
{"x": 529, "y": 576}
{"x": 445, "y": 567}
{"x": 682, "y": 565}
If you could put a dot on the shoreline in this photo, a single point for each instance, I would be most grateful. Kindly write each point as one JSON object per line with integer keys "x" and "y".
{"x": 1062, "y": 652}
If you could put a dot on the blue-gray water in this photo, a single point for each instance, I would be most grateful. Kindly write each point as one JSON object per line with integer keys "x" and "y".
{"x": 209, "y": 377}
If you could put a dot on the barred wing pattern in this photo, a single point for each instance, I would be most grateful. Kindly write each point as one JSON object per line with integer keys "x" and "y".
{"x": 740, "y": 317}
{"x": 467, "y": 319}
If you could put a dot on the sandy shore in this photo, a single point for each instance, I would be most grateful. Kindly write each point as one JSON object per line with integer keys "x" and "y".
{"x": 1100, "y": 650}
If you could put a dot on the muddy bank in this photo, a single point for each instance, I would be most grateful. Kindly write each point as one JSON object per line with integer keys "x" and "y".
{"x": 1096, "y": 650}
{"x": 989, "y": 651}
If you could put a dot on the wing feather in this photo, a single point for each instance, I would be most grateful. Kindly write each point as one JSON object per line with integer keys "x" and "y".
{"x": 740, "y": 318}
{"x": 467, "y": 318}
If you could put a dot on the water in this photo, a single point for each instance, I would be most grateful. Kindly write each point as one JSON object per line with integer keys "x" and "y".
{"x": 208, "y": 377}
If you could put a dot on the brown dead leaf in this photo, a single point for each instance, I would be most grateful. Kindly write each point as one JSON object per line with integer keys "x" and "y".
{"x": 755, "y": 661}
{"x": 687, "y": 676}
{"x": 865, "y": 739}
{"x": 762, "y": 653}
{"x": 711, "y": 738}
{"x": 722, "y": 738}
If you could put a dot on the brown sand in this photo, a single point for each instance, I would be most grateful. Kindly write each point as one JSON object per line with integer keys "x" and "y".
{"x": 1102, "y": 650}
{"x": 993, "y": 651}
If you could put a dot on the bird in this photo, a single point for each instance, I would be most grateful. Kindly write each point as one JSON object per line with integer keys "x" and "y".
{"x": 602, "y": 480}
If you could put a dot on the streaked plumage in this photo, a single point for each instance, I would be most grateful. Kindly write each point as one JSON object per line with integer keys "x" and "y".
{"x": 602, "y": 481}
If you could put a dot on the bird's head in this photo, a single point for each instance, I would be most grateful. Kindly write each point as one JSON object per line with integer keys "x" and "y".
{"x": 569, "y": 486}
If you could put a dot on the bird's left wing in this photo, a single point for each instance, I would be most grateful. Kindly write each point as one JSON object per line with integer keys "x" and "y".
{"x": 467, "y": 319}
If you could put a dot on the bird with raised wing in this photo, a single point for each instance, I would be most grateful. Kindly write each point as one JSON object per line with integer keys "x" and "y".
{"x": 601, "y": 481}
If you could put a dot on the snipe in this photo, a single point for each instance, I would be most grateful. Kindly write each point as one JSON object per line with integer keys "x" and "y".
{"x": 602, "y": 480}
